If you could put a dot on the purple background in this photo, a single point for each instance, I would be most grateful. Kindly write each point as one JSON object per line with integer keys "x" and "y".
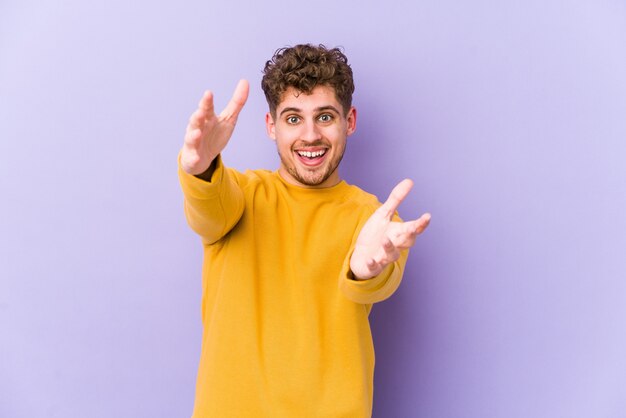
{"x": 510, "y": 117}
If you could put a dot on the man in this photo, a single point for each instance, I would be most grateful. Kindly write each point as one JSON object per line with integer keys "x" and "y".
{"x": 293, "y": 259}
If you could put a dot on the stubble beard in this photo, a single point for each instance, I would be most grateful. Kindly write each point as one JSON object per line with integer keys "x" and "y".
{"x": 313, "y": 177}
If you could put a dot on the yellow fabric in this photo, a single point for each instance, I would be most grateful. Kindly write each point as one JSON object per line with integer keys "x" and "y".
{"x": 286, "y": 330}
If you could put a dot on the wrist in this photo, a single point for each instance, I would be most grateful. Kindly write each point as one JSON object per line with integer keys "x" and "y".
{"x": 360, "y": 278}
{"x": 208, "y": 173}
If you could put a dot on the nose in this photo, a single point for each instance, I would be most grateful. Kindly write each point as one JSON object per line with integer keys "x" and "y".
{"x": 311, "y": 132}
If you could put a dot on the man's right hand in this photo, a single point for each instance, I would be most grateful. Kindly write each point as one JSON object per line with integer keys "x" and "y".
{"x": 207, "y": 133}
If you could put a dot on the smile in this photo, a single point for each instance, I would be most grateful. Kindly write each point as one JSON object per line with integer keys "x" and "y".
{"x": 311, "y": 158}
{"x": 311, "y": 154}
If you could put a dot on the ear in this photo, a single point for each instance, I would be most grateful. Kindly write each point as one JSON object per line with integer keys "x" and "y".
{"x": 270, "y": 126}
{"x": 351, "y": 119}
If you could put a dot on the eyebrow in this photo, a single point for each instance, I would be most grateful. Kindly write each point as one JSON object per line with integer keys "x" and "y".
{"x": 317, "y": 109}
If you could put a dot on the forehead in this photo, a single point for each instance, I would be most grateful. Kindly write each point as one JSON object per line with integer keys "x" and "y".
{"x": 319, "y": 96}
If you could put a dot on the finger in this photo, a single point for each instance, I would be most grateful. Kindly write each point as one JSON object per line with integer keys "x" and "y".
{"x": 406, "y": 239}
{"x": 206, "y": 103}
{"x": 371, "y": 264}
{"x": 420, "y": 224}
{"x": 202, "y": 113}
{"x": 411, "y": 229}
{"x": 237, "y": 101}
{"x": 405, "y": 234}
{"x": 396, "y": 197}
{"x": 196, "y": 120}
{"x": 388, "y": 245}
{"x": 192, "y": 138}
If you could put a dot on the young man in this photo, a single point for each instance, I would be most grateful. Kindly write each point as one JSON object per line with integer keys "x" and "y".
{"x": 294, "y": 258}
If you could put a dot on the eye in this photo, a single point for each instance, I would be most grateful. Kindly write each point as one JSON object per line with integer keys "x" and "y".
{"x": 326, "y": 117}
{"x": 292, "y": 120}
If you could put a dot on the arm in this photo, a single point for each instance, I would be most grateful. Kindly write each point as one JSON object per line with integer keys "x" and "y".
{"x": 375, "y": 267}
{"x": 213, "y": 200}
{"x": 213, "y": 206}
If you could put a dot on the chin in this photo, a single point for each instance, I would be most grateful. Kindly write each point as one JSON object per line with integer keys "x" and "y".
{"x": 313, "y": 179}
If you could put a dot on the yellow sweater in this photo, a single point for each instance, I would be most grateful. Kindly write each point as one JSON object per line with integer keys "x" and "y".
{"x": 286, "y": 330}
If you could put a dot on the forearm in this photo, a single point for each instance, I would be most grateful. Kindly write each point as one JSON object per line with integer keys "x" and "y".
{"x": 214, "y": 205}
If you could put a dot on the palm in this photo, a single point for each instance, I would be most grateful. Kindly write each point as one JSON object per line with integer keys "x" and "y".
{"x": 381, "y": 239}
{"x": 208, "y": 134}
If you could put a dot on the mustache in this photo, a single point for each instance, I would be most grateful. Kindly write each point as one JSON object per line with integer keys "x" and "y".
{"x": 305, "y": 144}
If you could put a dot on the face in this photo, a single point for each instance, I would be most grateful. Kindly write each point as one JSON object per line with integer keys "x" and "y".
{"x": 310, "y": 131}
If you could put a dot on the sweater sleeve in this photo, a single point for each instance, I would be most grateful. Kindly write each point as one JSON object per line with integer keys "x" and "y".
{"x": 375, "y": 289}
{"x": 212, "y": 207}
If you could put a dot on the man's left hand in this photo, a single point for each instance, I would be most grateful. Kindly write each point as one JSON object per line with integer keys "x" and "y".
{"x": 381, "y": 239}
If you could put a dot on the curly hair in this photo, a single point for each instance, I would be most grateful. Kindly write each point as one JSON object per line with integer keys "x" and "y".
{"x": 304, "y": 67}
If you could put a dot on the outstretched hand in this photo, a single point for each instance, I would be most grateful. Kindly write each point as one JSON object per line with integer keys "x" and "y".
{"x": 207, "y": 133}
{"x": 380, "y": 240}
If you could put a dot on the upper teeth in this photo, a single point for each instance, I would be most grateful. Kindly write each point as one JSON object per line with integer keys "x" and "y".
{"x": 311, "y": 154}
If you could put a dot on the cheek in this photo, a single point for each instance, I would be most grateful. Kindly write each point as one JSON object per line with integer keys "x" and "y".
{"x": 338, "y": 135}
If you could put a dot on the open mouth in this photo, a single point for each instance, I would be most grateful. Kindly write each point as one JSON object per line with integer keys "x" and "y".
{"x": 311, "y": 157}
